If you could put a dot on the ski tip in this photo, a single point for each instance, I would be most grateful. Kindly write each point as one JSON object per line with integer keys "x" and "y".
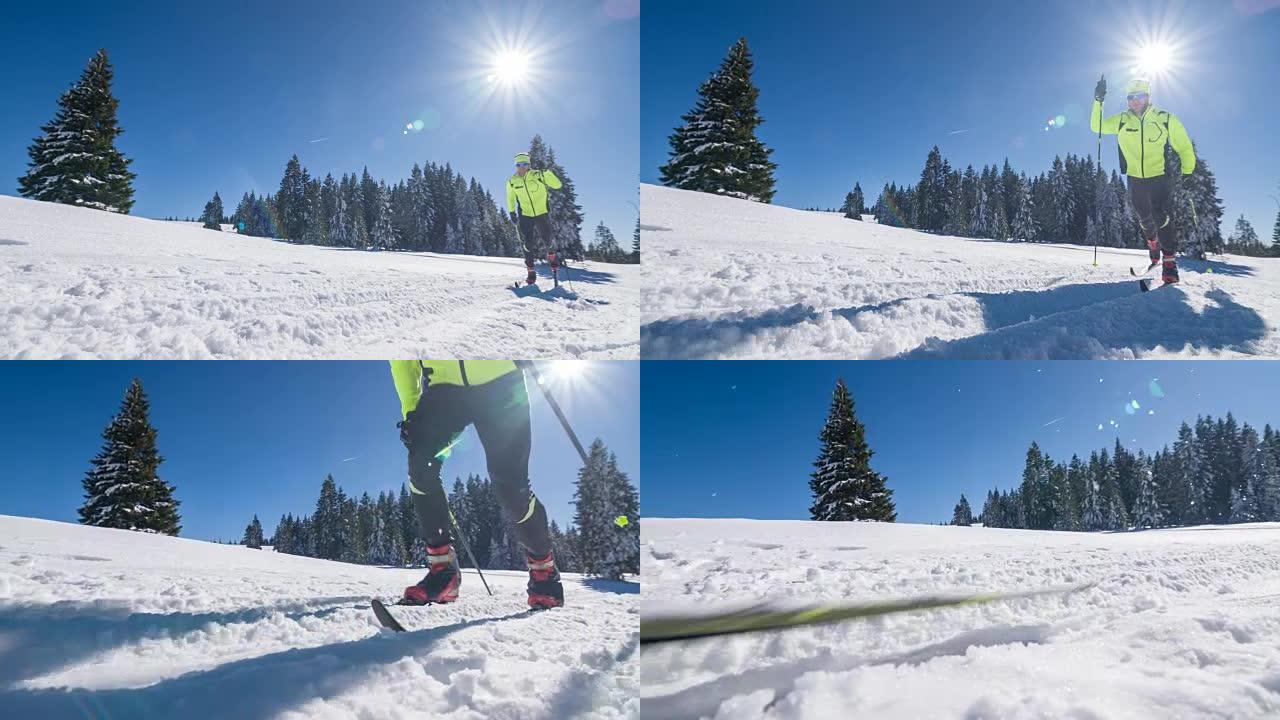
{"x": 1144, "y": 284}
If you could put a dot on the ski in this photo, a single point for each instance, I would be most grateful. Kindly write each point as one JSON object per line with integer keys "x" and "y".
{"x": 1135, "y": 273}
{"x": 764, "y": 617}
{"x": 385, "y": 618}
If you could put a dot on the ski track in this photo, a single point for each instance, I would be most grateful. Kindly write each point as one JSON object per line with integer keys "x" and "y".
{"x": 165, "y": 627}
{"x": 1181, "y": 624}
{"x": 727, "y": 278}
{"x": 81, "y": 284}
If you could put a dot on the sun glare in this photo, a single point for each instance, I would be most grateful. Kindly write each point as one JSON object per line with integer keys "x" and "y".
{"x": 1154, "y": 59}
{"x": 509, "y": 67}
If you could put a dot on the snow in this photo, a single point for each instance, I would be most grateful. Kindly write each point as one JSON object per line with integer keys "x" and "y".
{"x": 726, "y": 278}
{"x": 1182, "y": 623}
{"x": 132, "y": 625}
{"x": 80, "y": 284}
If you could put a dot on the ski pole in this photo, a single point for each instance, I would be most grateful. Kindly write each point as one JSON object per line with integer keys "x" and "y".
{"x": 555, "y": 407}
{"x": 467, "y": 546}
{"x": 1100, "y": 115}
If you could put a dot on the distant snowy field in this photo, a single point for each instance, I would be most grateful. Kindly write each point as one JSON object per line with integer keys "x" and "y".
{"x": 114, "y": 624}
{"x": 727, "y": 278}
{"x": 78, "y": 283}
{"x": 1183, "y": 623}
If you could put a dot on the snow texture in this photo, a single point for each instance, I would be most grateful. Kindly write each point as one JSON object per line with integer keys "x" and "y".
{"x": 1181, "y": 624}
{"x": 725, "y": 278}
{"x": 111, "y": 623}
{"x": 81, "y": 284}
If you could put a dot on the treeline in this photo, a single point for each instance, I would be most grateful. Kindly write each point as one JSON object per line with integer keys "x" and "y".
{"x": 1215, "y": 472}
{"x": 1073, "y": 202}
{"x": 384, "y": 530}
{"x": 605, "y": 247}
{"x": 436, "y": 209}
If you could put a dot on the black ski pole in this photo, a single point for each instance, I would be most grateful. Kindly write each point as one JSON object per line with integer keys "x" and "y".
{"x": 467, "y": 546}
{"x": 555, "y": 407}
{"x": 1100, "y": 116}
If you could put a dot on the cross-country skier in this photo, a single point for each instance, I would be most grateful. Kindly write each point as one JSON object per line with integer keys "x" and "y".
{"x": 1143, "y": 131}
{"x": 439, "y": 399}
{"x": 528, "y": 189}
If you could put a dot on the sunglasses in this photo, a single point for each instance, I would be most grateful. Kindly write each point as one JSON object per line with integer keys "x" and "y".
{"x": 522, "y": 164}
{"x": 1138, "y": 96}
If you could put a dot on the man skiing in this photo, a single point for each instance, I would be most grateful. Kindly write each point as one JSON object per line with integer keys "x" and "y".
{"x": 528, "y": 188}
{"x": 1143, "y": 131}
{"x": 439, "y": 399}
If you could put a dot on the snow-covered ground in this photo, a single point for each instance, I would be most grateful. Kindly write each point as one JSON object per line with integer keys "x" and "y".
{"x": 1182, "y": 623}
{"x": 114, "y": 624}
{"x": 728, "y": 278}
{"x": 78, "y": 283}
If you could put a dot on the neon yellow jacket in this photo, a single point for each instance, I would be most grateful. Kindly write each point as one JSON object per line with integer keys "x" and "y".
{"x": 407, "y": 375}
{"x": 1142, "y": 140}
{"x": 531, "y": 192}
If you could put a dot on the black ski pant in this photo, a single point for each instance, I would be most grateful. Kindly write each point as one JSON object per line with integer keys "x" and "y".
{"x": 535, "y": 232}
{"x": 499, "y": 410}
{"x": 1152, "y": 200}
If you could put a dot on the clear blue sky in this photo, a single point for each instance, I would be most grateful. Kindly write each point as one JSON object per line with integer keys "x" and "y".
{"x": 861, "y": 91}
{"x": 217, "y": 96}
{"x": 240, "y": 438}
{"x": 738, "y": 439}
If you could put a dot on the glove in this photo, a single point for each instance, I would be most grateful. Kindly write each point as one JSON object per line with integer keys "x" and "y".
{"x": 1100, "y": 90}
{"x": 514, "y": 220}
{"x": 406, "y": 430}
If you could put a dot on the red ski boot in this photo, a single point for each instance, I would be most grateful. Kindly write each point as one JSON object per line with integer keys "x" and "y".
{"x": 442, "y": 580}
{"x": 1170, "y": 269}
{"x": 545, "y": 590}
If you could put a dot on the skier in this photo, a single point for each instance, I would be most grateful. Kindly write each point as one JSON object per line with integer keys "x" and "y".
{"x": 439, "y": 399}
{"x": 1143, "y": 131}
{"x": 528, "y": 188}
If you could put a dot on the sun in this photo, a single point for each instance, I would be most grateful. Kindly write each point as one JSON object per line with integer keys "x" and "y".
{"x": 509, "y": 67}
{"x": 1154, "y": 58}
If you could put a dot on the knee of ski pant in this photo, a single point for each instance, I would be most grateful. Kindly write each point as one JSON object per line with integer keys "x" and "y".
{"x": 424, "y": 470}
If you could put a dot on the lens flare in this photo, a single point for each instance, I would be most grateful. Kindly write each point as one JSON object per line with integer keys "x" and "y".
{"x": 509, "y": 67}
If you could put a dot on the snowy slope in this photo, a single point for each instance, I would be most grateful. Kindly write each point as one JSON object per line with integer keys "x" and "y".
{"x": 1182, "y": 623}
{"x": 108, "y": 623}
{"x": 77, "y": 283}
{"x": 727, "y": 278}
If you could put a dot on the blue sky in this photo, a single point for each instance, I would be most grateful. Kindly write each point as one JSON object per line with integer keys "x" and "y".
{"x": 861, "y": 91}
{"x": 218, "y": 96}
{"x": 738, "y": 439}
{"x": 240, "y": 438}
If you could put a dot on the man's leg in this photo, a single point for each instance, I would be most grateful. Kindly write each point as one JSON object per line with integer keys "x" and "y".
{"x": 530, "y": 245}
{"x": 544, "y": 229}
{"x": 1140, "y": 191}
{"x": 1161, "y": 208}
{"x": 501, "y": 410}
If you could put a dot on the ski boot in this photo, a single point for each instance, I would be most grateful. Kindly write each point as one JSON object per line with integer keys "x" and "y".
{"x": 555, "y": 268}
{"x": 532, "y": 277}
{"x": 442, "y": 580}
{"x": 545, "y": 590}
{"x": 1170, "y": 269}
{"x": 1153, "y": 251}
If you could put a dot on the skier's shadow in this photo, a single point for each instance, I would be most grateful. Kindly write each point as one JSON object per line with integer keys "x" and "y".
{"x": 617, "y": 587}
{"x": 256, "y": 687}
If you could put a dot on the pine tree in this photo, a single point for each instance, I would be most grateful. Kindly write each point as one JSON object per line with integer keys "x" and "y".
{"x": 1196, "y": 208}
{"x": 1023, "y": 228}
{"x": 603, "y": 495}
{"x": 854, "y": 203}
{"x": 1093, "y": 511}
{"x": 635, "y": 243}
{"x": 1146, "y": 512}
{"x": 291, "y": 201}
{"x": 1244, "y": 240}
{"x": 717, "y": 150}
{"x": 605, "y": 247}
{"x": 383, "y": 235}
{"x": 1275, "y": 236}
{"x": 327, "y": 521}
{"x": 844, "y": 486}
{"x": 1189, "y": 477}
{"x": 253, "y": 535}
{"x": 75, "y": 161}
{"x": 124, "y": 489}
{"x": 963, "y": 514}
{"x": 212, "y": 215}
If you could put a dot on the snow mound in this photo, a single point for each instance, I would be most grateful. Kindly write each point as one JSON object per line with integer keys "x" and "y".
{"x": 78, "y": 284}
{"x": 1180, "y": 624}
{"x": 137, "y": 625}
{"x": 728, "y": 278}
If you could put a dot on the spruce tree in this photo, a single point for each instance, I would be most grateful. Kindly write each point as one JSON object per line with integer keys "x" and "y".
{"x": 212, "y": 215}
{"x": 1275, "y": 236}
{"x": 75, "y": 161}
{"x": 1146, "y": 512}
{"x": 963, "y": 514}
{"x": 716, "y": 150}
{"x": 124, "y": 489}
{"x": 605, "y": 247}
{"x": 253, "y": 535}
{"x": 383, "y": 235}
{"x": 603, "y": 495}
{"x": 843, "y": 484}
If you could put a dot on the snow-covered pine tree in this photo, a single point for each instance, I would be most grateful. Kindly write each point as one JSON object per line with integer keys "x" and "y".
{"x": 291, "y": 201}
{"x": 370, "y": 204}
{"x": 717, "y": 150}
{"x": 414, "y": 547}
{"x": 314, "y": 233}
{"x": 602, "y": 495}
{"x": 340, "y": 225}
{"x": 383, "y": 236}
{"x": 327, "y": 521}
{"x": 605, "y": 247}
{"x": 123, "y": 489}
{"x": 1093, "y": 510}
{"x": 843, "y": 484}
{"x": 1197, "y": 209}
{"x": 957, "y": 200}
{"x": 963, "y": 514}
{"x": 212, "y": 215}
{"x": 1023, "y": 221}
{"x": 1064, "y": 202}
{"x": 980, "y": 217}
{"x": 1260, "y": 476}
{"x": 253, "y": 535}
{"x": 1244, "y": 240}
{"x": 1146, "y": 511}
{"x": 1275, "y": 236}
{"x": 1066, "y": 513}
{"x": 75, "y": 161}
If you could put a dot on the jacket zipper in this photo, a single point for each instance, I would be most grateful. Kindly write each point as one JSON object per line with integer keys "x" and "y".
{"x": 526, "y": 194}
{"x": 462, "y": 368}
{"x": 1142, "y": 141}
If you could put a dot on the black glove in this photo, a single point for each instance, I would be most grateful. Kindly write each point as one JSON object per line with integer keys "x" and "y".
{"x": 1100, "y": 90}
{"x": 514, "y": 220}
{"x": 406, "y": 431}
